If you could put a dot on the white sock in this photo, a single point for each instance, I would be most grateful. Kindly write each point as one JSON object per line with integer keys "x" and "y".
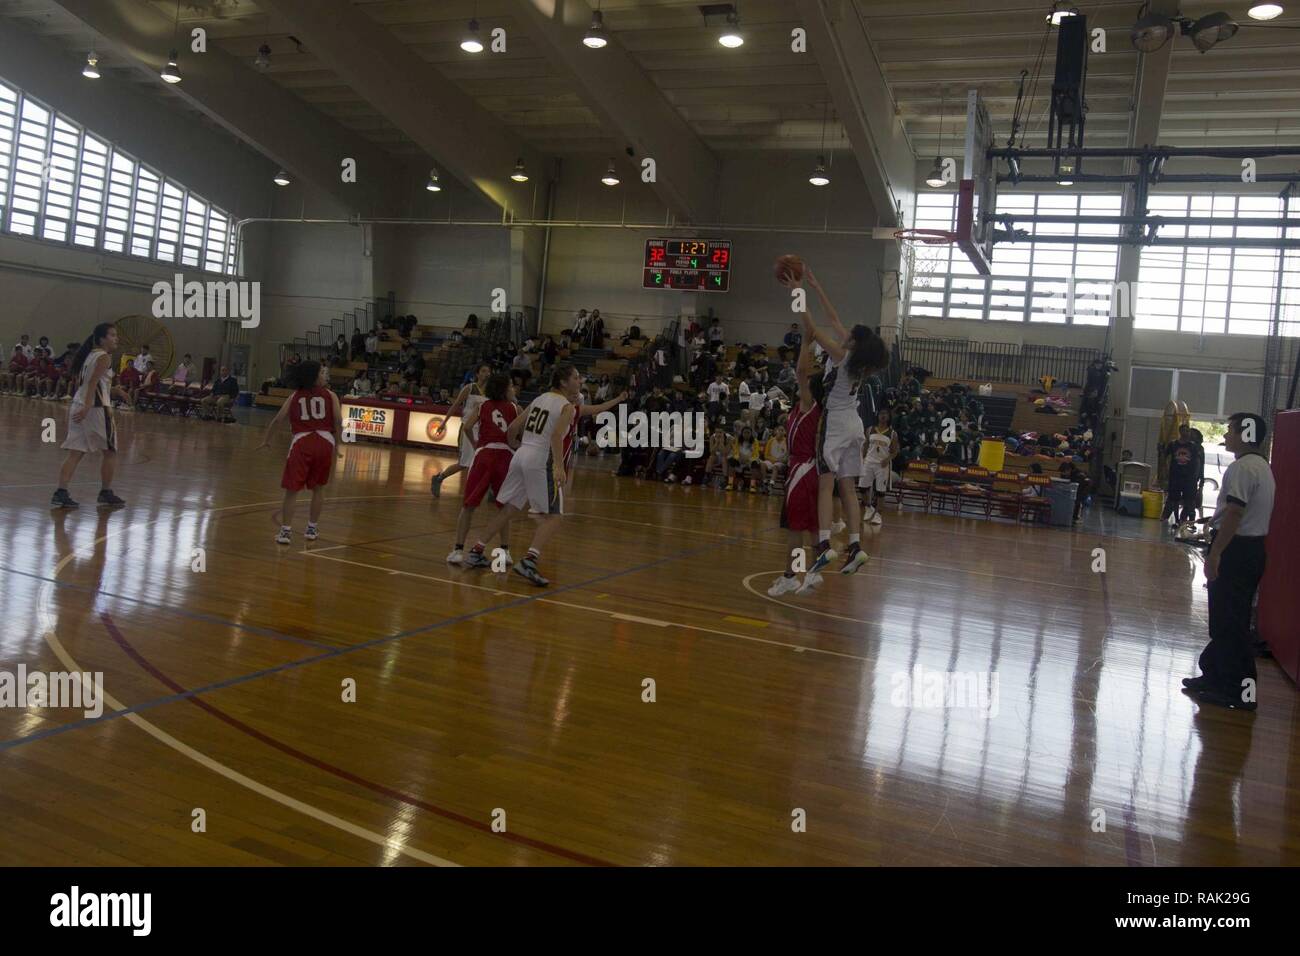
{"x": 824, "y": 534}
{"x": 854, "y": 538}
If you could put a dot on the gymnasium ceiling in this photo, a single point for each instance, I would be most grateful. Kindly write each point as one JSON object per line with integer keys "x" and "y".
{"x": 763, "y": 95}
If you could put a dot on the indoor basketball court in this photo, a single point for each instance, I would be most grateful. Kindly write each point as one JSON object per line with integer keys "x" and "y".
{"x": 329, "y": 289}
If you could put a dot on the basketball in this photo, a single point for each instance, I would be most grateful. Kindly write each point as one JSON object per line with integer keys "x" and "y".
{"x": 788, "y": 269}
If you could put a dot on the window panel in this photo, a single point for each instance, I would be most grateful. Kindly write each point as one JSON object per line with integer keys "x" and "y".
{"x": 32, "y": 145}
{"x": 91, "y": 186}
{"x": 117, "y": 208}
{"x": 196, "y": 218}
{"x": 60, "y": 183}
{"x": 8, "y": 127}
{"x": 144, "y": 213}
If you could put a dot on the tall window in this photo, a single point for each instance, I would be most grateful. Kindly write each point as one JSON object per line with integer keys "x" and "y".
{"x": 1029, "y": 280}
{"x": 1188, "y": 289}
{"x": 60, "y": 183}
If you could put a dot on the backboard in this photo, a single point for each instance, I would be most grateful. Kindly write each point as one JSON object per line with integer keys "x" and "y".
{"x": 977, "y": 193}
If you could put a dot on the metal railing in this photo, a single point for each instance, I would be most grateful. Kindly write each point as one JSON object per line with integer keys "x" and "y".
{"x": 1011, "y": 362}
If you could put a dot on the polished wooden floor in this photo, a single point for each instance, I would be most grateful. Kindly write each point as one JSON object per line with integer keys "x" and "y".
{"x": 482, "y": 699}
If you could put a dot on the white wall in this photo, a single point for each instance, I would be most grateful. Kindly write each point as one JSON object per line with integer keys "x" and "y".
{"x": 601, "y": 267}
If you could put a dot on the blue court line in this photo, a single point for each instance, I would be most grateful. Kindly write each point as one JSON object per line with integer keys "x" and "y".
{"x": 374, "y": 642}
{"x": 192, "y": 615}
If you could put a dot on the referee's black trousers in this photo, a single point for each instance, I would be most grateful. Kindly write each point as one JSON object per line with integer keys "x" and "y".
{"x": 1229, "y": 658}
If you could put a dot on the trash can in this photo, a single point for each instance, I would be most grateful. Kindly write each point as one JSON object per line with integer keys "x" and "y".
{"x": 245, "y": 399}
{"x": 1060, "y": 497}
{"x": 993, "y": 454}
{"x": 1153, "y": 504}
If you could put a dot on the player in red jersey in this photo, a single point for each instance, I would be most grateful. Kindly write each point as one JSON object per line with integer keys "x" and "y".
{"x": 316, "y": 421}
{"x": 491, "y": 461}
{"x": 799, "y": 510}
{"x": 581, "y": 411}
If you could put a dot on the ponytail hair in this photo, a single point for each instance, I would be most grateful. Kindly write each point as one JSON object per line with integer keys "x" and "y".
{"x": 562, "y": 373}
{"x": 98, "y": 335}
{"x": 867, "y": 352}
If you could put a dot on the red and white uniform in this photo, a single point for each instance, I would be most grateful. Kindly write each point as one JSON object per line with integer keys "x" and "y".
{"x": 571, "y": 440}
{"x": 799, "y": 511}
{"x": 311, "y": 452}
{"x": 492, "y": 456}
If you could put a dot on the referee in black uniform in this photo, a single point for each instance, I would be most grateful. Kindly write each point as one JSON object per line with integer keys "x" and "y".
{"x": 1233, "y": 569}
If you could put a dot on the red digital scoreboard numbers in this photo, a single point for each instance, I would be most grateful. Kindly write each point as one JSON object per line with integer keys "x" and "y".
{"x": 687, "y": 265}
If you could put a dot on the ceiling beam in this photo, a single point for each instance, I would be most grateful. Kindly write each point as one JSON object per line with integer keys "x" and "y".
{"x": 307, "y": 144}
{"x": 628, "y": 106}
{"x": 466, "y": 140}
{"x": 837, "y": 36}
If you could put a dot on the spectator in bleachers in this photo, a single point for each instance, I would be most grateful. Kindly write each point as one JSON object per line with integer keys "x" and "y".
{"x": 372, "y": 346}
{"x": 521, "y": 370}
{"x": 358, "y": 345}
{"x": 225, "y": 390}
{"x": 718, "y": 392}
{"x": 141, "y": 361}
{"x": 29, "y": 350}
{"x": 16, "y": 369}
{"x": 184, "y": 372}
{"x": 340, "y": 352}
{"x": 716, "y": 468}
{"x": 581, "y": 324}
{"x": 663, "y": 374}
{"x": 549, "y": 353}
{"x": 715, "y": 333}
{"x": 744, "y": 459}
{"x": 361, "y": 385}
{"x": 471, "y": 322}
{"x": 603, "y": 389}
{"x": 775, "y": 458}
{"x": 597, "y": 330}
{"x": 793, "y": 339}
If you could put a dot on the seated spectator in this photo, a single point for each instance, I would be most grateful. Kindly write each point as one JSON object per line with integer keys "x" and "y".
{"x": 129, "y": 384}
{"x": 361, "y": 385}
{"x": 549, "y": 353}
{"x": 15, "y": 370}
{"x": 358, "y": 345}
{"x": 340, "y": 351}
{"x": 183, "y": 374}
{"x": 141, "y": 361}
{"x": 472, "y": 321}
{"x": 225, "y": 390}
{"x": 775, "y": 458}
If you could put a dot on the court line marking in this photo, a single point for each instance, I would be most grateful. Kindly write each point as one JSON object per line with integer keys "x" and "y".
{"x": 797, "y": 648}
{"x": 120, "y": 709}
{"x": 302, "y": 756}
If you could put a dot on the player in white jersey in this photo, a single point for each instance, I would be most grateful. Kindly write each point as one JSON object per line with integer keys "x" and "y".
{"x": 469, "y": 399}
{"x": 877, "y": 468}
{"x": 537, "y": 474}
{"x": 90, "y": 416}
{"x": 851, "y": 355}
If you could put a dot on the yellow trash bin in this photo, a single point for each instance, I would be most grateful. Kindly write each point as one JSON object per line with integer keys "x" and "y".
{"x": 1153, "y": 504}
{"x": 993, "y": 454}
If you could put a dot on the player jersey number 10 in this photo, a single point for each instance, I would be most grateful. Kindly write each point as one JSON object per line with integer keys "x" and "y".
{"x": 317, "y": 406}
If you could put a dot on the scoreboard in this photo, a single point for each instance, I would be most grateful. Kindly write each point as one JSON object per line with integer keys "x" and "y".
{"x": 688, "y": 265}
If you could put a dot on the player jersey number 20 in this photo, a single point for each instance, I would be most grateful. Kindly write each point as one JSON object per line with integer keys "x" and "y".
{"x": 316, "y": 404}
{"x": 537, "y": 421}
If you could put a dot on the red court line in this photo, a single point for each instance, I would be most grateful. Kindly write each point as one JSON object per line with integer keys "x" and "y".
{"x": 330, "y": 768}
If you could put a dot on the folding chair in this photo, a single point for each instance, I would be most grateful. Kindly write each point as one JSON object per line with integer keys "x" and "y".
{"x": 1006, "y": 495}
{"x": 1037, "y": 507}
{"x": 915, "y": 484}
{"x": 976, "y": 502}
{"x": 944, "y": 490}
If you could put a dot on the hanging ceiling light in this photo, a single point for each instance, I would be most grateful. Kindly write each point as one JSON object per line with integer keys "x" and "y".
{"x": 1210, "y": 29}
{"x": 1151, "y": 32}
{"x": 610, "y": 178}
{"x": 471, "y": 43}
{"x": 171, "y": 73}
{"x": 1065, "y": 169}
{"x": 432, "y": 184}
{"x": 819, "y": 177}
{"x": 263, "y": 61}
{"x": 935, "y": 178}
{"x": 91, "y": 70}
{"x": 282, "y": 178}
{"x": 1061, "y": 10}
{"x": 596, "y": 37}
{"x": 1264, "y": 11}
{"x": 519, "y": 175}
{"x": 730, "y": 36}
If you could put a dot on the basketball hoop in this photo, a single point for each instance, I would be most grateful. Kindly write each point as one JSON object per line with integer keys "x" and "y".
{"x": 930, "y": 237}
